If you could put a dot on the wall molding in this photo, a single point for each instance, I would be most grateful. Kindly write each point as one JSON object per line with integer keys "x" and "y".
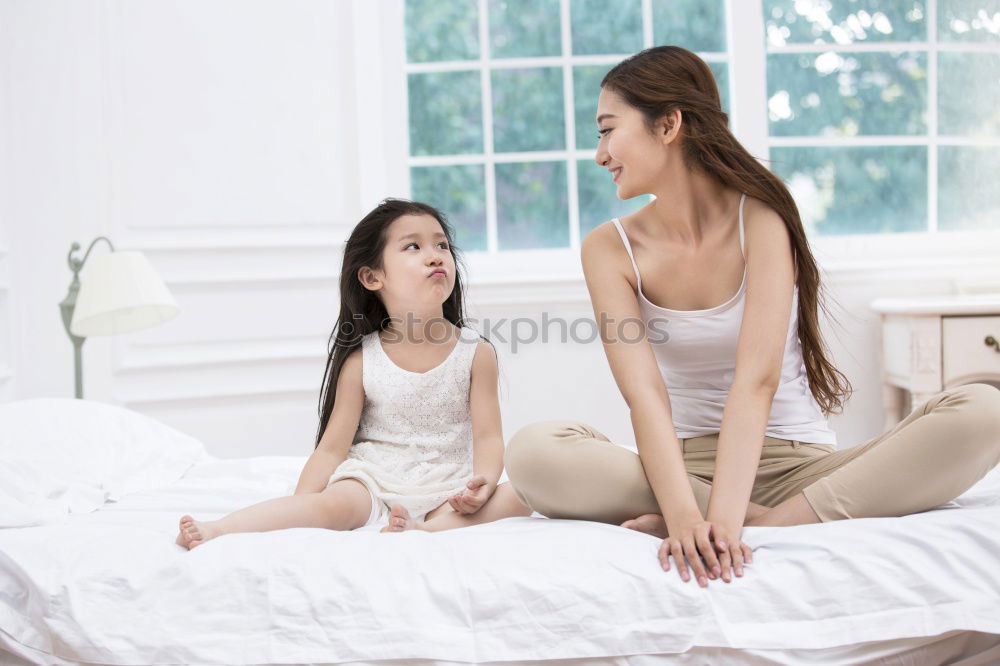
{"x": 141, "y": 358}
{"x": 243, "y": 242}
{"x": 289, "y": 281}
{"x": 241, "y": 226}
{"x": 200, "y": 399}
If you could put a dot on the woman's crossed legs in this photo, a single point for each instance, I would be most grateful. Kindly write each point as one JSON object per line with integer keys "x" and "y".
{"x": 564, "y": 469}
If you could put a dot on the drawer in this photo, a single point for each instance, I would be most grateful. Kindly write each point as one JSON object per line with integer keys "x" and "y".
{"x": 966, "y": 355}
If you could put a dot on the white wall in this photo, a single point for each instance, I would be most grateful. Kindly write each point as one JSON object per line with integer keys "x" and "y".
{"x": 236, "y": 144}
{"x": 212, "y": 137}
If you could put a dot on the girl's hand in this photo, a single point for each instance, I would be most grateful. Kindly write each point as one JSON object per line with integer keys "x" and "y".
{"x": 478, "y": 491}
{"x": 692, "y": 541}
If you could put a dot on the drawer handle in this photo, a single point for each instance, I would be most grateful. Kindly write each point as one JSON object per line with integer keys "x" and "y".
{"x": 992, "y": 342}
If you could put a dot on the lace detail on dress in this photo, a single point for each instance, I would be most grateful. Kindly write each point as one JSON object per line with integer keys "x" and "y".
{"x": 414, "y": 440}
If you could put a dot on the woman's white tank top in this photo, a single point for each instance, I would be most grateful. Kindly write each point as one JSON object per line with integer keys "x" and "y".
{"x": 696, "y": 353}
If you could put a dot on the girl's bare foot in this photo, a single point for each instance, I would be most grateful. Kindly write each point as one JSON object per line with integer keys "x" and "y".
{"x": 196, "y": 532}
{"x": 653, "y": 523}
{"x": 400, "y": 520}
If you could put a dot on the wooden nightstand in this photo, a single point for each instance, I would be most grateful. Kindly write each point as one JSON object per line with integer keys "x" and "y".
{"x": 932, "y": 344}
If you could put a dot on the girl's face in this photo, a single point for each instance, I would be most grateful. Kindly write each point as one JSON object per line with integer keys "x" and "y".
{"x": 418, "y": 269}
{"x": 636, "y": 157}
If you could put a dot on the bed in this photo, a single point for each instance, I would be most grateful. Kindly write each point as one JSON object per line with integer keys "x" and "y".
{"x": 90, "y": 497}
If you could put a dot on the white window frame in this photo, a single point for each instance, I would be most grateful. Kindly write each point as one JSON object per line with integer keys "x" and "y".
{"x": 384, "y": 161}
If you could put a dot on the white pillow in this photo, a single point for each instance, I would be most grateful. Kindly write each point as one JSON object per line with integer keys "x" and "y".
{"x": 60, "y": 456}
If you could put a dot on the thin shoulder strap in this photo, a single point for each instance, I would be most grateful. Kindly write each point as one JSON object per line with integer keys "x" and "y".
{"x": 742, "y": 250}
{"x": 628, "y": 248}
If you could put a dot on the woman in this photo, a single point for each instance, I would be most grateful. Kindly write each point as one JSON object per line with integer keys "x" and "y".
{"x": 727, "y": 379}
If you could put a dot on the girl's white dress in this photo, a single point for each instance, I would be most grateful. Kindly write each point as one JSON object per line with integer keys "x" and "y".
{"x": 414, "y": 440}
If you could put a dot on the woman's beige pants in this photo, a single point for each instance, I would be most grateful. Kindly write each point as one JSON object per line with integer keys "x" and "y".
{"x": 564, "y": 469}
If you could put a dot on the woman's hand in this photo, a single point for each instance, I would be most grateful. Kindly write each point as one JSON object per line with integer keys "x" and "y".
{"x": 732, "y": 552}
{"x": 697, "y": 539}
{"x": 478, "y": 491}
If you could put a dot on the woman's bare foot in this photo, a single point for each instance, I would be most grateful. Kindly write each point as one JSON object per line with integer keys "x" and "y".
{"x": 400, "y": 520}
{"x": 196, "y": 532}
{"x": 653, "y": 523}
{"x": 650, "y": 523}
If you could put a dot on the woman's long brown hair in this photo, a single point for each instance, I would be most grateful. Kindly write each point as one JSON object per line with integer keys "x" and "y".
{"x": 657, "y": 81}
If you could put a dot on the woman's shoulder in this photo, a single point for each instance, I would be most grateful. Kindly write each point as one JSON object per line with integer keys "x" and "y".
{"x": 759, "y": 214}
{"x": 606, "y": 233}
{"x": 768, "y": 239}
{"x": 602, "y": 242}
{"x": 604, "y": 255}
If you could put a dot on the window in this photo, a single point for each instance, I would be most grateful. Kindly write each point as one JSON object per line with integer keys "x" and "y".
{"x": 502, "y": 96}
{"x": 883, "y": 115}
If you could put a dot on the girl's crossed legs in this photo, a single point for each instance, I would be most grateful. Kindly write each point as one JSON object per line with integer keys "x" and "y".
{"x": 503, "y": 503}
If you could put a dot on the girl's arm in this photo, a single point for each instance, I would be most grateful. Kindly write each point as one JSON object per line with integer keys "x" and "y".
{"x": 340, "y": 429}
{"x": 487, "y": 434}
{"x": 606, "y": 268}
{"x": 759, "y": 353}
{"x": 484, "y": 406}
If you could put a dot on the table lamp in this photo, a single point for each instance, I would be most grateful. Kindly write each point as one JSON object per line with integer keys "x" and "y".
{"x": 121, "y": 293}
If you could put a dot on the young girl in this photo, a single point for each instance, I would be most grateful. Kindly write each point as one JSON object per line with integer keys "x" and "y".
{"x": 410, "y": 420}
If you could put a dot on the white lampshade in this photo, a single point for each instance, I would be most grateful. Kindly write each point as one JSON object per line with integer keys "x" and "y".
{"x": 120, "y": 292}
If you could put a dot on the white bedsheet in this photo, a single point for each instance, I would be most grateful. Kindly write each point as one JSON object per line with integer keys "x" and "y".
{"x": 113, "y": 587}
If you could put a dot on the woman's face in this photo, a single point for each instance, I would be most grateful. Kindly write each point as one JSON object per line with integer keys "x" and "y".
{"x": 635, "y": 156}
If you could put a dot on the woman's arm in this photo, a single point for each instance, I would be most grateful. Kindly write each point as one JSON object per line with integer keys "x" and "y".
{"x": 340, "y": 429}
{"x": 759, "y": 353}
{"x": 616, "y": 310}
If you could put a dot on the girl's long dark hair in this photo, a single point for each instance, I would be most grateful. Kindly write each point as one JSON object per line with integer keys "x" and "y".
{"x": 657, "y": 81}
{"x": 361, "y": 310}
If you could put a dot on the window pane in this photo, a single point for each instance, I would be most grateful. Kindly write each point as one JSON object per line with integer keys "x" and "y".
{"x": 697, "y": 25}
{"x": 847, "y": 94}
{"x": 445, "y": 113}
{"x": 968, "y": 196}
{"x": 442, "y": 30}
{"x": 528, "y": 110}
{"x": 586, "y": 88}
{"x": 532, "y": 207}
{"x": 843, "y": 21}
{"x": 720, "y": 71}
{"x": 598, "y": 199}
{"x": 968, "y": 21}
{"x": 856, "y": 190}
{"x": 599, "y": 27}
{"x": 969, "y": 94}
{"x": 460, "y": 193}
{"x": 524, "y": 28}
